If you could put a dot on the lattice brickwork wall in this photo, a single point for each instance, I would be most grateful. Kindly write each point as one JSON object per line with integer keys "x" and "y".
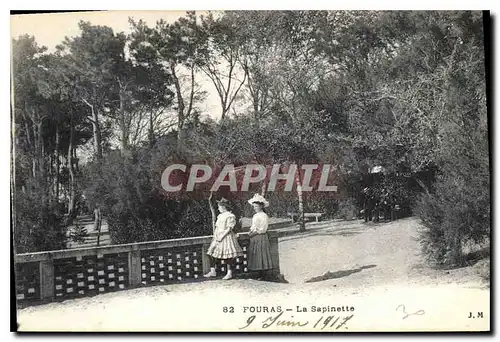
{"x": 58, "y": 275}
{"x": 171, "y": 265}
{"x": 90, "y": 275}
{"x": 27, "y": 281}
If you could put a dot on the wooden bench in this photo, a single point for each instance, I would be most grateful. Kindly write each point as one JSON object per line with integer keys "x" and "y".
{"x": 317, "y": 216}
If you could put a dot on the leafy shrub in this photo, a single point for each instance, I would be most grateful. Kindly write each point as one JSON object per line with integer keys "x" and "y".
{"x": 456, "y": 212}
{"x": 38, "y": 225}
{"x": 483, "y": 269}
{"x": 347, "y": 209}
{"x": 78, "y": 234}
{"x": 432, "y": 237}
{"x": 196, "y": 220}
{"x": 127, "y": 189}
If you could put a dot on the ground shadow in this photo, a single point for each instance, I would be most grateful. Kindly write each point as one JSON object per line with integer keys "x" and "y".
{"x": 338, "y": 274}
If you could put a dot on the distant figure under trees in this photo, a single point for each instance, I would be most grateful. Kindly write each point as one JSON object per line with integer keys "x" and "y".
{"x": 368, "y": 204}
{"x": 375, "y": 203}
{"x": 98, "y": 224}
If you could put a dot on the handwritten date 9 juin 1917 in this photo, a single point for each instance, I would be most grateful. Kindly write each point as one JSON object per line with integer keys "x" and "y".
{"x": 325, "y": 322}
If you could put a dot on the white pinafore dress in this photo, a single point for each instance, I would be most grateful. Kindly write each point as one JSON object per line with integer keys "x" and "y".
{"x": 228, "y": 247}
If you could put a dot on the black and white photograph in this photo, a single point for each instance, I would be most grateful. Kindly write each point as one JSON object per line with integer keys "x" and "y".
{"x": 323, "y": 171}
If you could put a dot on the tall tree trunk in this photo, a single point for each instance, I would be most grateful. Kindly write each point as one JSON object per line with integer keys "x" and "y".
{"x": 256, "y": 113}
{"x": 58, "y": 165}
{"x": 254, "y": 94}
{"x": 98, "y": 150}
{"x": 212, "y": 211}
{"x": 28, "y": 134}
{"x": 97, "y": 223}
{"x": 263, "y": 189}
{"x": 39, "y": 154}
{"x": 97, "y": 134}
{"x": 75, "y": 161}
{"x": 122, "y": 120}
{"x": 33, "y": 168}
{"x": 96, "y": 129}
{"x": 40, "y": 162}
{"x": 151, "y": 133}
{"x": 180, "y": 107}
{"x": 224, "y": 113}
{"x": 50, "y": 179}
{"x": 191, "y": 95}
{"x": 72, "y": 190}
{"x": 302, "y": 225}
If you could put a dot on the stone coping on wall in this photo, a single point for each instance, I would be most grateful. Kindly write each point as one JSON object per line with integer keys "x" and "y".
{"x": 122, "y": 248}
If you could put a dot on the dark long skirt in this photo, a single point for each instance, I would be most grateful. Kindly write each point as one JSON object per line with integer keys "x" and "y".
{"x": 259, "y": 253}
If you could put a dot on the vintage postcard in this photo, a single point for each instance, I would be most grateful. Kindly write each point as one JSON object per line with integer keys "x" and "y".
{"x": 251, "y": 171}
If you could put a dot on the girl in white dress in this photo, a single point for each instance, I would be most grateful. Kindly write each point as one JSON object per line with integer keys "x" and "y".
{"x": 259, "y": 251}
{"x": 224, "y": 244}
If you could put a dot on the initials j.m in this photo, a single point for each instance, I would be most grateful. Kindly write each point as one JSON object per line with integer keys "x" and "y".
{"x": 479, "y": 315}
